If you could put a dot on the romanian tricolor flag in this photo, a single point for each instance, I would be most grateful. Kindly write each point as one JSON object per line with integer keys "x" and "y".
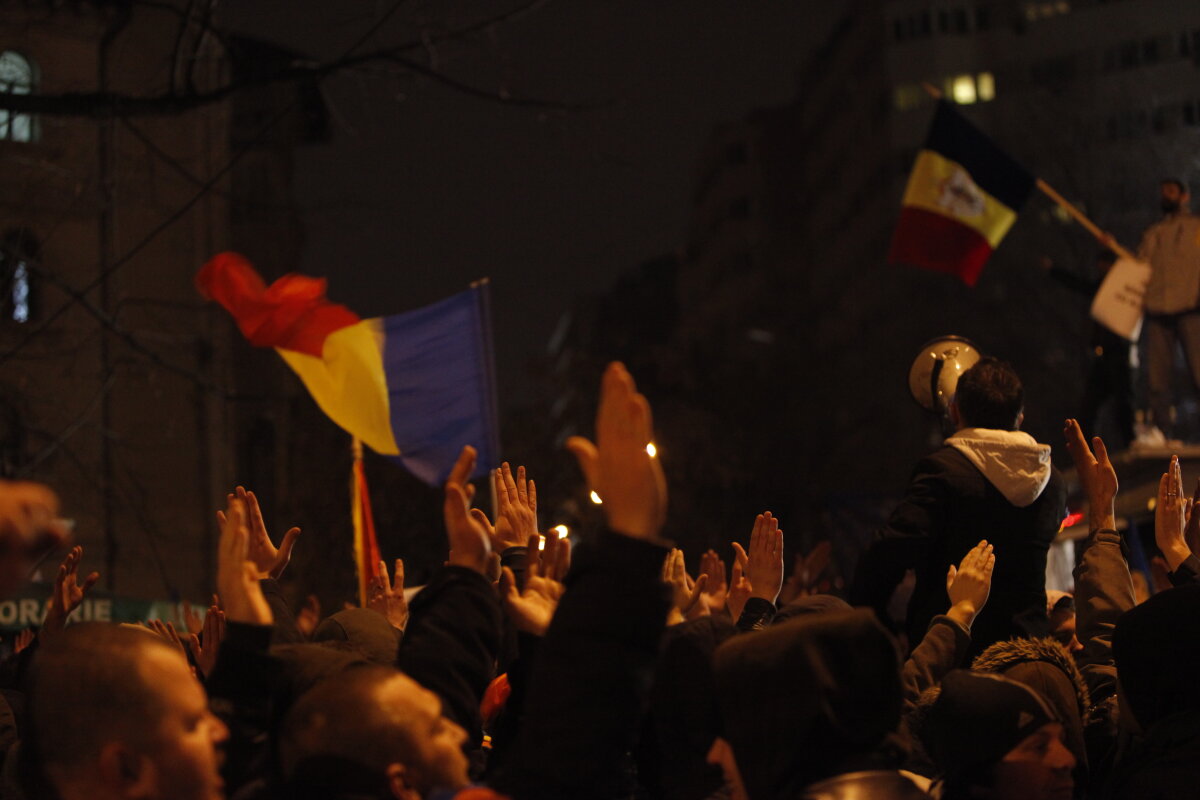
{"x": 417, "y": 386}
{"x": 962, "y": 197}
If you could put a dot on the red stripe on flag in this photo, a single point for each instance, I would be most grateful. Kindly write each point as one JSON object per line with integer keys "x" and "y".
{"x": 368, "y": 546}
{"x": 292, "y": 313}
{"x": 939, "y": 243}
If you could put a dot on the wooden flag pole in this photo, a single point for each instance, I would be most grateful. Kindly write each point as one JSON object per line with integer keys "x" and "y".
{"x": 1048, "y": 190}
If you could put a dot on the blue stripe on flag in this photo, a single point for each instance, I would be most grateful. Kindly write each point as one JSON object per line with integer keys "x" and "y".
{"x": 441, "y": 387}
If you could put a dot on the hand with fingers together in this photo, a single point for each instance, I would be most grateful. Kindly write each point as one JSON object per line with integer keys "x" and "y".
{"x": 970, "y": 583}
{"x": 22, "y": 640}
{"x": 740, "y": 589}
{"x": 532, "y": 608}
{"x": 67, "y": 593}
{"x": 716, "y": 592}
{"x": 206, "y": 645}
{"x": 1191, "y": 530}
{"x": 764, "y": 562}
{"x": 685, "y": 593}
{"x": 386, "y": 596}
{"x": 618, "y": 466}
{"x": 1096, "y": 475}
{"x": 269, "y": 561}
{"x": 470, "y": 540}
{"x": 1171, "y": 517}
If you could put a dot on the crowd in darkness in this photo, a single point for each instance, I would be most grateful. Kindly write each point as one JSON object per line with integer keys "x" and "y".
{"x": 524, "y": 670}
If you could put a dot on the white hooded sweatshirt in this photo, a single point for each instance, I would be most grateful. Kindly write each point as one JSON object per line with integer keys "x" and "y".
{"x": 1012, "y": 461}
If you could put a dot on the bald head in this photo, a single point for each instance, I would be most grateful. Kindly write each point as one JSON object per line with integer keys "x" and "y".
{"x": 115, "y": 709}
{"x": 383, "y": 722}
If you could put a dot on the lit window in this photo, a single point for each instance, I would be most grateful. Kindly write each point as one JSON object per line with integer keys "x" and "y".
{"x": 18, "y": 255}
{"x": 963, "y": 89}
{"x": 16, "y": 77}
{"x": 985, "y": 87}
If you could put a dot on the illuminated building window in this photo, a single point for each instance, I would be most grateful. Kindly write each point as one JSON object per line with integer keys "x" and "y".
{"x": 985, "y": 85}
{"x": 962, "y": 89}
{"x": 1044, "y": 10}
{"x": 967, "y": 89}
{"x": 16, "y": 77}
{"x": 18, "y": 255}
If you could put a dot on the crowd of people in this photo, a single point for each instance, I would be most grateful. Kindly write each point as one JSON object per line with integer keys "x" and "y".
{"x": 524, "y": 670}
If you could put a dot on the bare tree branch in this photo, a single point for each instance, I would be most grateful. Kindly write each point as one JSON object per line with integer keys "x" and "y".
{"x": 108, "y": 105}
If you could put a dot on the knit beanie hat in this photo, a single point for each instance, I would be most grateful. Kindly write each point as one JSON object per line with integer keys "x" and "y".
{"x": 978, "y": 718}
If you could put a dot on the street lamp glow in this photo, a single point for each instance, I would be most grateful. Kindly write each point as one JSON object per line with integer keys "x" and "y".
{"x": 596, "y": 498}
{"x": 651, "y": 450}
{"x": 562, "y": 530}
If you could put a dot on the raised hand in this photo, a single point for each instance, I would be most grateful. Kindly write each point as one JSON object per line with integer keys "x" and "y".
{"x": 685, "y": 593}
{"x": 1096, "y": 475}
{"x": 67, "y": 593}
{"x": 237, "y": 576}
{"x": 22, "y": 640}
{"x": 969, "y": 584}
{"x": 1191, "y": 531}
{"x": 387, "y": 597}
{"x": 532, "y": 608}
{"x": 470, "y": 541}
{"x": 716, "y": 592}
{"x": 193, "y": 623}
{"x": 309, "y": 615}
{"x": 269, "y": 561}
{"x": 740, "y": 589}
{"x": 1171, "y": 516}
{"x": 167, "y": 631}
{"x": 764, "y": 563}
{"x": 618, "y": 467}
{"x": 516, "y": 509}
{"x": 207, "y": 644}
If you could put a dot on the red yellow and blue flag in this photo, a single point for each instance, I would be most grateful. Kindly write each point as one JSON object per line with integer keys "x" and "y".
{"x": 962, "y": 197}
{"x": 416, "y": 386}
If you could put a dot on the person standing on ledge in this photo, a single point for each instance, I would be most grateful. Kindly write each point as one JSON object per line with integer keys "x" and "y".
{"x": 1172, "y": 248}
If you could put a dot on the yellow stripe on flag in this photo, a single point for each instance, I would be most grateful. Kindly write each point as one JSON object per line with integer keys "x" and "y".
{"x": 943, "y": 187}
{"x": 349, "y": 384}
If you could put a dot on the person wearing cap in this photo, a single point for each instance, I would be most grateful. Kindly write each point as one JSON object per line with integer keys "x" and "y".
{"x": 809, "y": 708}
{"x": 995, "y": 738}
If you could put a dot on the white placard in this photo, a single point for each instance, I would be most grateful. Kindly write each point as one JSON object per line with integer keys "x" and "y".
{"x": 1118, "y": 304}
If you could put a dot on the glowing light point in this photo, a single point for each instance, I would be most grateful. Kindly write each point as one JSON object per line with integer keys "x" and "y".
{"x": 562, "y": 531}
{"x": 651, "y": 450}
{"x": 541, "y": 542}
{"x": 596, "y": 498}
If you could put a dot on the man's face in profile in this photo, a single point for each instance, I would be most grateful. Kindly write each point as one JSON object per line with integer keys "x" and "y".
{"x": 184, "y": 750}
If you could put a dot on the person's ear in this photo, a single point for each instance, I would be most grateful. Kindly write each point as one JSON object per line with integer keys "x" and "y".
{"x": 1020, "y": 421}
{"x": 126, "y": 773}
{"x": 400, "y": 782}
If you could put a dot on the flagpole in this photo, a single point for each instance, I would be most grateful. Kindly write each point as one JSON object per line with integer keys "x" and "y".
{"x": 1104, "y": 238}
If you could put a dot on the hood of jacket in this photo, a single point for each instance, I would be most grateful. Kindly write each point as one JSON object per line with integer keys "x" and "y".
{"x": 1044, "y": 666}
{"x": 808, "y": 699}
{"x": 1012, "y": 461}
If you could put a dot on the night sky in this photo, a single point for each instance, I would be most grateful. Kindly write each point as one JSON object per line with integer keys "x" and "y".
{"x": 424, "y": 189}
